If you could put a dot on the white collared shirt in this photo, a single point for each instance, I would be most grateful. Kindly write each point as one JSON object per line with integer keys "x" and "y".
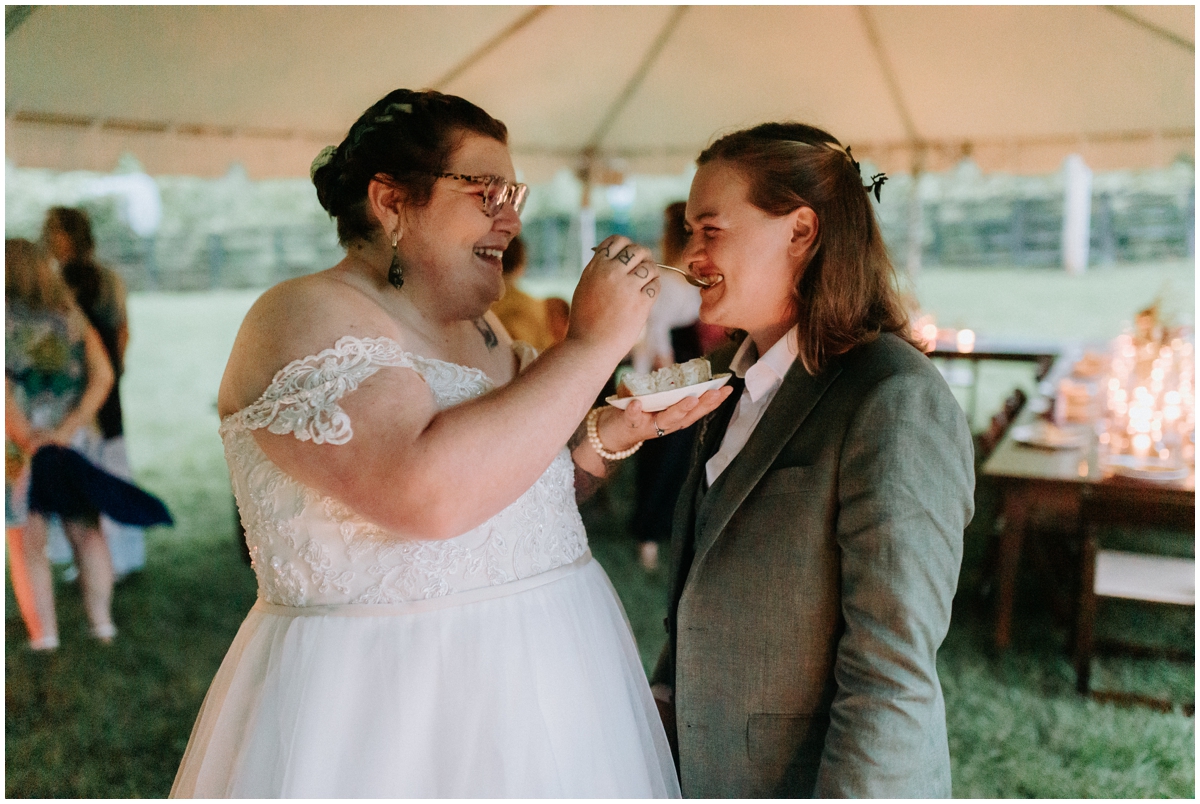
{"x": 763, "y": 378}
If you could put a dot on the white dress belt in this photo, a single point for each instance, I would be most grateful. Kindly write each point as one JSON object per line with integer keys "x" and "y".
{"x": 429, "y": 604}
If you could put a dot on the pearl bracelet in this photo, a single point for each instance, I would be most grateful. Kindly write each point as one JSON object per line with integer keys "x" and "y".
{"x": 593, "y": 436}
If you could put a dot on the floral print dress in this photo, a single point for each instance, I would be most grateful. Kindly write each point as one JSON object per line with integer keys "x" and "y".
{"x": 44, "y": 365}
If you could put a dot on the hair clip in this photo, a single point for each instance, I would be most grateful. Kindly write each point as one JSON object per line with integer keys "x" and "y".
{"x": 857, "y": 167}
{"x": 323, "y": 159}
{"x": 387, "y": 117}
{"x": 876, "y": 184}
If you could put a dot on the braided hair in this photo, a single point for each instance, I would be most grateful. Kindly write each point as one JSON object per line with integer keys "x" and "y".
{"x": 407, "y": 136}
{"x": 846, "y": 294}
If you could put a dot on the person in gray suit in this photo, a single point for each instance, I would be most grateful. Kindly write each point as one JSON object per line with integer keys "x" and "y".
{"x": 818, "y": 538}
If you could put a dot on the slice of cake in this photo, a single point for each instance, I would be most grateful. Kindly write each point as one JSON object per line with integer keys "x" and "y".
{"x": 679, "y": 375}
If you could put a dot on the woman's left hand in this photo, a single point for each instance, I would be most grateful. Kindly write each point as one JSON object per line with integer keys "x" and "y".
{"x": 635, "y": 424}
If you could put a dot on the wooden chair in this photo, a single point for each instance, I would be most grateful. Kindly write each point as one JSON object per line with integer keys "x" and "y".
{"x": 1000, "y": 423}
{"x": 1133, "y": 576}
{"x": 988, "y": 441}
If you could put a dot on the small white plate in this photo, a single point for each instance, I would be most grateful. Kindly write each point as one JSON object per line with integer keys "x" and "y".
{"x": 652, "y": 403}
{"x": 1144, "y": 468}
{"x": 1048, "y": 436}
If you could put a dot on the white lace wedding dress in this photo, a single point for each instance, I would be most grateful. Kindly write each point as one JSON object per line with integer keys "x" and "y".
{"x": 495, "y": 664}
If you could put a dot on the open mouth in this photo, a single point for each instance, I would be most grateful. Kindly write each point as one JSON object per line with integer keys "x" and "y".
{"x": 711, "y": 279}
{"x": 496, "y": 254}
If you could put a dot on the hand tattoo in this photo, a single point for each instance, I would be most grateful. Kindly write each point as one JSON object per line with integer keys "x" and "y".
{"x": 485, "y": 329}
{"x": 577, "y": 437}
{"x": 641, "y": 272}
{"x": 626, "y": 255}
{"x": 586, "y": 485}
{"x": 650, "y": 292}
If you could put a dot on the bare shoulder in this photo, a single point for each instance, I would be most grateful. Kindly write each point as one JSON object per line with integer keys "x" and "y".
{"x": 295, "y": 319}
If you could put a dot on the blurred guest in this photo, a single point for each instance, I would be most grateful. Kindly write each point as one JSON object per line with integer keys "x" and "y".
{"x": 56, "y": 378}
{"x": 671, "y": 337}
{"x": 522, "y": 315}
{"x": 100, "y": 293}
{"x": 677, "y": 308}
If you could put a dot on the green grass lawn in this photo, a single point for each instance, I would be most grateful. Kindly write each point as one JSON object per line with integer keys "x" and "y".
{"x": 96, "y": 721}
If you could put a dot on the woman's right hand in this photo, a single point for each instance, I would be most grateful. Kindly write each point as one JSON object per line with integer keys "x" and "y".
{"x": 614, "y": 296}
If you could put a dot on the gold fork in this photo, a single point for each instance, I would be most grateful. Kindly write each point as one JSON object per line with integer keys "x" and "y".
{"x": 691, "y": 279}
{"x": 695, "y": 281}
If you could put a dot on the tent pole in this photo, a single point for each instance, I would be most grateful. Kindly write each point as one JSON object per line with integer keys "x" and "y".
{"x": 916, "y": 219}
{"x": 912, "y": 256}
{"x": 1077, "y": 214}
{"x": 587, "y": 215}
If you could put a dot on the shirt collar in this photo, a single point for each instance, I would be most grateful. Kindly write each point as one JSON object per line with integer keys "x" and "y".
{"x": 764, "y": 373}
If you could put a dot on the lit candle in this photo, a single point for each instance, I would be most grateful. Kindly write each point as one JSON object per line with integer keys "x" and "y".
{"x": 966, "y": 340}
{"x": 1141, "y": 445}
{"x": 929, "y": 334}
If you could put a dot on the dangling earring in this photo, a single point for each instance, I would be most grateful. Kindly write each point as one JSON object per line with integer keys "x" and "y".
{"x": 396, "y": 270}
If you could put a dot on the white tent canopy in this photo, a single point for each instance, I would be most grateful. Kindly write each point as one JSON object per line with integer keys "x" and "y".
{"x": 602, "y": 89}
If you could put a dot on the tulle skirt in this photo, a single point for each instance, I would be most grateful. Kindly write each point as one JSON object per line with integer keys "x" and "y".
{"x": 532, "y": 693}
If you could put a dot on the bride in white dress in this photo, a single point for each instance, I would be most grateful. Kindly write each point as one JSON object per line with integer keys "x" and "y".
{"x": 430, "y": 622}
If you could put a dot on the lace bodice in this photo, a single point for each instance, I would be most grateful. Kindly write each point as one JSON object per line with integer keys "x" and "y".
{"x": 309, "y": 549}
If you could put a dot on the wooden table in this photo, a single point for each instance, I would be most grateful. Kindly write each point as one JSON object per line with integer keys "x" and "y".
{"x": 1029, "y": 477}
{"x": 990, "y": 349}
{"x": 993, "y": 349}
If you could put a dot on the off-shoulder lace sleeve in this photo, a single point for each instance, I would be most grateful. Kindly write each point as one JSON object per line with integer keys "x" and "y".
{"x": 302, "y": 398}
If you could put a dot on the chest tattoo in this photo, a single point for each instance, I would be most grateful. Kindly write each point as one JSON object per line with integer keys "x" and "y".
{"x": 489, "y": 337}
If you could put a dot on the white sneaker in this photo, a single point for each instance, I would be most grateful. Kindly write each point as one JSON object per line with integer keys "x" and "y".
{"x": 105, "y": 633}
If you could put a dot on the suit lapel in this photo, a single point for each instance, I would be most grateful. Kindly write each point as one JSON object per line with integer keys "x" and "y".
{"x": 711, "y": 429}
{"x": 795, "y": 399}
{"x": 712, "y": 426}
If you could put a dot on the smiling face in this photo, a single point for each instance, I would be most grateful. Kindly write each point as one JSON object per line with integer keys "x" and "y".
{"x": 454, "y": 246}
{"x": 748, "y": 249}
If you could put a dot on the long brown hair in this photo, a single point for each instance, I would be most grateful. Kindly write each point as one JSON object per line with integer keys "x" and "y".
{"x": 80, "y": 271}
{"x": 29, "y": 277}
{"x": 846, "y": 294}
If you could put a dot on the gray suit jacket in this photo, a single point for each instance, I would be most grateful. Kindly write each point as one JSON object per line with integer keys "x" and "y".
{"x": 811, "y": 585}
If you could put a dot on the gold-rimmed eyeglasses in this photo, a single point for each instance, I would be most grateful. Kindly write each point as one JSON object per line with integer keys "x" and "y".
{"x": 497, "y": 191}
